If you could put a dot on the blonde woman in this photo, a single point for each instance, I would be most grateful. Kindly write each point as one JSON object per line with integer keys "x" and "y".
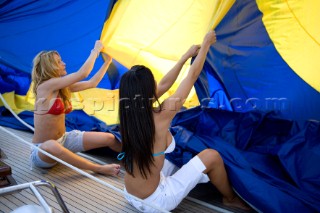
{"x": 52, "y": 88}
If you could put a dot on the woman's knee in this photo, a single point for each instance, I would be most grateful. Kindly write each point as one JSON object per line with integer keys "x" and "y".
{"x": 210, "y": 157}
{"x": 53, "y": 147}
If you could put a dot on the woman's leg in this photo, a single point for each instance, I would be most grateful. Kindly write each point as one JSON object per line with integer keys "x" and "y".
{"x": 93, "y": 140}
{"x": 219, "y": 178}
{"x": 56, "y": 149}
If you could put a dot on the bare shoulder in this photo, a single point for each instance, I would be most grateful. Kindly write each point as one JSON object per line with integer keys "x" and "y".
{"x": 43, "y": 90}
{"x": 44, "y": 95}
{"x": 161, "y": 121}
{"x": 45, "y": 86}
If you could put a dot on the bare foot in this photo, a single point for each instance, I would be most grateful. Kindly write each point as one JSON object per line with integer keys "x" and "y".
{"x": 236, "y": 202}
{"x": 109, "y": 169}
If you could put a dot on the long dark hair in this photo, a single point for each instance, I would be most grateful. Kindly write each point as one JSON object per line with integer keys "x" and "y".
{"x": 137, "y": 94}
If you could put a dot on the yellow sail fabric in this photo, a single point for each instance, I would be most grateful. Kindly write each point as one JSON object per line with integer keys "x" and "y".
{"x": 294, "y": 29}
{"x": 150, "y": 32}
{"x": 100, "y": 103}
{"x": 17, "y": 103}
{"x": 156, "y": 33}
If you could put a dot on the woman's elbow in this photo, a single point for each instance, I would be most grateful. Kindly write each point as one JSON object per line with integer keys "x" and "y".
{"x": 85, "y": 74}
{"x": 92, "y": 84}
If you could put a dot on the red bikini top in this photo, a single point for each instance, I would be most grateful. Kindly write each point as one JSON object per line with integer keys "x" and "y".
{"x": 58, "y": 107}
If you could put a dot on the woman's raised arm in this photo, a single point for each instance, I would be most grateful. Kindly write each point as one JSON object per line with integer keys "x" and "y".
{"x": 173, "y": 104}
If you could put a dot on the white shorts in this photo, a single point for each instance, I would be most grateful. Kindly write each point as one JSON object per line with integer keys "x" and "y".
{"x": 173, "y": 189}
{"x": 71, "y": 140}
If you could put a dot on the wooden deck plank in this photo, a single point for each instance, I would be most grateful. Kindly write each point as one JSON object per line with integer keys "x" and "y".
{"x": 78, "y": 196}
{"x": 25, "y": 174}
{"x": 8, "y": 204}
{"x": 68, "y": 177}
{"x": 4, "y": 208}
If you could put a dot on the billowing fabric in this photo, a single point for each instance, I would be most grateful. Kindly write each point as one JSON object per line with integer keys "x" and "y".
{"x": 248, "y": 64}
{"x": 70, "y": 27}
{"x": 14, "y": 88}
{"x": 293, "y": 28}
{"x": 210, "y": 91}
{"x": 13, "y": 80}
{"x": 271, "y": 162}
{"x": 157, "y": 33}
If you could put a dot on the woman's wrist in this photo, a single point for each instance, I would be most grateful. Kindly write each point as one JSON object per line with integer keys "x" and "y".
{"x": 184, "y": 58}
{"x": 96, "y": 52}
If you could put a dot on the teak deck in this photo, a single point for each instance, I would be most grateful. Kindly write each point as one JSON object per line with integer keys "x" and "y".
{"x": 81, "y": 194}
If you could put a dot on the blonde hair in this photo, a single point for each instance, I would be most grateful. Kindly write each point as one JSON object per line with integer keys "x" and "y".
{"x": 44, "y": 68}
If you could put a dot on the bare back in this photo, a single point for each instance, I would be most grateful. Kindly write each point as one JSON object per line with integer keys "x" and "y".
{"x": 138, "y": 186}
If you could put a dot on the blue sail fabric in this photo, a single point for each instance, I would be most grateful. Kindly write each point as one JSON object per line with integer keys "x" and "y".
{"x": 271, "y": 162}
{"x": 254, "y": 75}
{"x": 13, "y": 80}
{"x": 70, "y": 27}
{"x": 209, "y": 89}
{"x": 243, "y": 69}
